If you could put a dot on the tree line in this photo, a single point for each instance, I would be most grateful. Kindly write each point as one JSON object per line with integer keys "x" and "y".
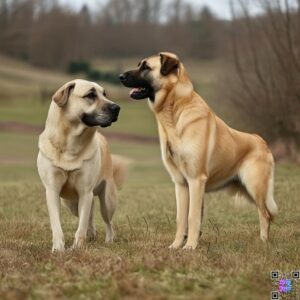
{"x": 265, "y": 84}
{"x": 50, "y": 35}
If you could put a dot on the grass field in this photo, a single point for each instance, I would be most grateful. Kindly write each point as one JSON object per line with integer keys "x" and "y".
{"x": 230, "y": 263}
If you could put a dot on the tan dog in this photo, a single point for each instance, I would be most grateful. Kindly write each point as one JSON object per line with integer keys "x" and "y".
{"x": 200, "y": 152}
{"x": 74, "y": 162}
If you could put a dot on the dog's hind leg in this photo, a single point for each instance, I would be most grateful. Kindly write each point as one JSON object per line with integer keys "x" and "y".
{"x": 107, "y": 196}
{"x": 257, "y": 177}
{"x": 196, "y": 197}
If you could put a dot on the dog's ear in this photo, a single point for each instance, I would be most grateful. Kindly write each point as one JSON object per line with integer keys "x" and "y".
{"x": 62, "y": 94}
{"x": 168, "y": 64}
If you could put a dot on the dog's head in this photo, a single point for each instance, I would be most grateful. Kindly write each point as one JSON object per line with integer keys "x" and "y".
{"x": 154, "y": 73}
{"x": 86, "y": 102}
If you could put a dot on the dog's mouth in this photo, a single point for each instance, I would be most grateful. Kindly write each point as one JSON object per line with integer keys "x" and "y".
{"x": 139, "y": 93}
{"x": 92, "y": 120}
{"x": 140, "y": 87}
{"x": 113, "y": 119}
{"x": 103, "y": 125}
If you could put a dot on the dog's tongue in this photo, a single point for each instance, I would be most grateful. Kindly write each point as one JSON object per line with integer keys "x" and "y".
{"x": 135, "y": 90}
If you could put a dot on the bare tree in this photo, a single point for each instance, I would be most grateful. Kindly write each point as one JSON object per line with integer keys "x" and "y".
{"x": 3, "y": 22}
{"x": 16, "y": 26}
{"x": 157, "y": 10}
{"x": 266, "y": 52}
{"x": 204, "y": 41}
{"x": 144, "y": 11}
{"x": 175, "y": 11}
{"x": 116, "y": 11}
{"x": 189, "y": 14}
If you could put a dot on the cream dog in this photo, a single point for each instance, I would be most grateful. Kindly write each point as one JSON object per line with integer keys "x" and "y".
{"x": 74, "y": 162}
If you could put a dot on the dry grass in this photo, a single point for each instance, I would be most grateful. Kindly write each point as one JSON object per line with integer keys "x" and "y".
{"x": 230, "y": 262}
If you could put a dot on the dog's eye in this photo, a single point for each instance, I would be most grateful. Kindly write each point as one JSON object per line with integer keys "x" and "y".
{"x": 91, "y": 95}
{"x": 145, "y": 67}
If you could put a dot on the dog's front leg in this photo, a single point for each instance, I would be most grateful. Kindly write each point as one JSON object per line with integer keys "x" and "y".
{"x": 196, "y": 193}
{"x": 84, "y": 209}
{"x": 53, "y": 204}
{"x": 182, "y": 203}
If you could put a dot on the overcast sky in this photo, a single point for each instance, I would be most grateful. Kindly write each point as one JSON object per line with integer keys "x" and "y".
{"x": 220, "y": 7}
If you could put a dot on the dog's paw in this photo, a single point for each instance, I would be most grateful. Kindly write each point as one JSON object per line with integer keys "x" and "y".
{"x": 79, "y": 243}
{"x": 175, "y": 245}
{"x": 109, "y": 239}
{"x": 92, "y": 234}
{"x": 190, "y": 246}
{"x": 264, "y": 238}
{"x": 58, "y": 247}
{"x": 109, "y": 235}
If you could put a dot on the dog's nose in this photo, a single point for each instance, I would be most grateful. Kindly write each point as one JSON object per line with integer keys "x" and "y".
{"x": 115, "y": 108}
{"x": 122, "y": 77}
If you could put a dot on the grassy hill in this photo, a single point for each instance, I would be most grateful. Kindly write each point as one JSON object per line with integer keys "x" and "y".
{"x": 22, "y": 87}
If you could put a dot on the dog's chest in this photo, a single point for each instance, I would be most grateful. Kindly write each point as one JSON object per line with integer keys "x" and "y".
{"x": 171, "y": 151}
{"x": 70, "y": 188}
{"x": 176, "y": 148}
{"x": 176, "y": 151}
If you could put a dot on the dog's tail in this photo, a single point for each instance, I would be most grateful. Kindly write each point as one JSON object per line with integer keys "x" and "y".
{"x": 266, "y": 204}
{"x": 120, "y": 169}
{"x": 270, "y": 203}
